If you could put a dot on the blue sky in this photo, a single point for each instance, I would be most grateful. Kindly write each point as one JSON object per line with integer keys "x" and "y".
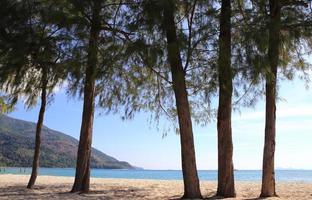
{"x": 138, "y": 142}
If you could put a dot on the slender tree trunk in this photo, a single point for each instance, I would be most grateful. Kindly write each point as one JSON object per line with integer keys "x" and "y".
{"x": 268, "y": 175}
{"x": 35, "y": 165}
{"x": 226, "y": 186}
{"x": 190, "y": 177}
{"x": 82, "y": 177}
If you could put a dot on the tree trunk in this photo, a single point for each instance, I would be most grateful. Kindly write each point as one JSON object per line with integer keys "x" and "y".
{"x": 268, "y": 175}
{"x": 82, "y": 177}
{"x": 35, "y": 165}
{"x": 226, "y": 186}
{"x": 190, "y": 177}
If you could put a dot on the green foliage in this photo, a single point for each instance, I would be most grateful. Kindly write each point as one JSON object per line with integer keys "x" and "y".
{"x": 251, "y": 39}
{"x": 6, "y": 104}
{"x": 150, "y": 87}
{"x": 132, "y": 73}
{"x": 31, "y": 50}
{"x": 111, "y": 71}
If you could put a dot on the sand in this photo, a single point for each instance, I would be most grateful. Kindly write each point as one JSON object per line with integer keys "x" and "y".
{"x": 52, "y": 187}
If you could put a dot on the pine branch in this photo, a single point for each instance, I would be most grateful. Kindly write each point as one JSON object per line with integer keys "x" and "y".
{"x": 189, "y": 49}
{"x": 116, "y": 30}
{"x": 295, "y": 3}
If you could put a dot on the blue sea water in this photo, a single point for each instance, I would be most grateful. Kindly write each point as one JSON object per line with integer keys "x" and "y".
{"x": 211, "y": 175}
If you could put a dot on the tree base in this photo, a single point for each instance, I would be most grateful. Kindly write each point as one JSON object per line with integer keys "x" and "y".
{"x": 230, "y": 195}
{"x": 29, "y": 186}
{"x": 265, "y": 195}
{"x": 31, "y": 182}
{"x": 197, "y": 196}
{"x": 79, "y": 190}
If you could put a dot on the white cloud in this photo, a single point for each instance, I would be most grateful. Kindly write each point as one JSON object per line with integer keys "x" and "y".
{"x": 302, "y": 111}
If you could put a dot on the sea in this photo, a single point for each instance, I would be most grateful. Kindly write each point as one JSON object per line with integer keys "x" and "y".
{"x": 210, "y": 175}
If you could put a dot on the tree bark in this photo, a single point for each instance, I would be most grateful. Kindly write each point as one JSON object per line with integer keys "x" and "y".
{"x": 82, "y": 176}
{"x": 190, "y": 177}
{"x": 268, "y": 174}
{"x": 35, "y": 165}
{"x": 226, "y": 186}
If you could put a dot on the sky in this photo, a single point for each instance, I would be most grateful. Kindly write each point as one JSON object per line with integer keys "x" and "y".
{"x": 141, "y": 144}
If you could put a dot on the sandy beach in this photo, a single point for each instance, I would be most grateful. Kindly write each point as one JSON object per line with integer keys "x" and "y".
{"x": 52, "y": 187}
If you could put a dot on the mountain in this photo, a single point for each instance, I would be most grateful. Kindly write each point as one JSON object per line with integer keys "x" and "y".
{"x": 17, "y": 141}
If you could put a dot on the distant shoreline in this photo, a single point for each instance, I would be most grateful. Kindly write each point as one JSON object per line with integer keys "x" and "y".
{"x": 277, "y": 169}
{"x": 135, "y": 174}
{"x": 137, "y": 179}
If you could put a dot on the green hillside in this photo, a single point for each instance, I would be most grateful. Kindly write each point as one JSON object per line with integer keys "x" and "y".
{"x": 17, "y": 141}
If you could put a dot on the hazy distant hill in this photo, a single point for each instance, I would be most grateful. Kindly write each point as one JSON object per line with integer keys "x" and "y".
{"x": 17, "y": 141}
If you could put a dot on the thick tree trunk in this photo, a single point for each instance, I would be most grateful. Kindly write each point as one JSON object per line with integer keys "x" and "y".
{"x": 225, "y": 145}
{"x": 35, "y": 165}
{"x": 268, "y": 175}
{"x": 82, "y": 177}
{"x": 190, "y": 177}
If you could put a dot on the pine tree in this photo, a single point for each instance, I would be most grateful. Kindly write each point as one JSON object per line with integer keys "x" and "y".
{"x": 82, "y": 177}
{"x": 166, "y": 52}
{"x": 275, "y": 51}
{"x": 271, "y": 45}
{"x": 95, "y": 72}
{"x": 191, "y": 181}
{"x": 30, "y": 61}
{"x": 225, "y": 144}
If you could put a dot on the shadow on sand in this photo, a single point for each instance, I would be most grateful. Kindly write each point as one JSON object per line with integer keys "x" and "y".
{"x": 45, "y": 192}
{"x": 212, "y": 196}
{"x": 20, "y": 192}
